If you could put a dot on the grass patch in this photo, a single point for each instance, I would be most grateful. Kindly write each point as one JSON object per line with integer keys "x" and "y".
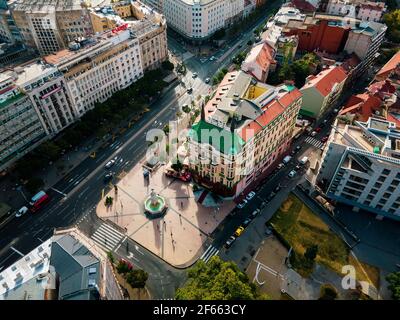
{"x": 301, "y": 228}
{"x": 365, "y": 272}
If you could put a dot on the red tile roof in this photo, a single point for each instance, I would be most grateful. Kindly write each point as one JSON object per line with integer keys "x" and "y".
{"x": 303, "y": 5}
{"x": 388, "y": 67}
{"x": 326, "y": 79}
{"x": 271, "y": 111}
{"x": 363, "y": 105}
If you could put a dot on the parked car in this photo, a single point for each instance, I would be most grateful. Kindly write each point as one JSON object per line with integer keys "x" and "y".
{"x": 108, "y": 176}
{"x": 313, "y": 134}
{"x": 242, "y": 204}
{"x": 250, "y": 195}
{"x": 255, "y": 213}
{"x": 189, "y": 90}
{"x": 280, "y": 166}
{"x": 246, "y": 222}
{"x": 194, "y": 75}
{"x": 239, "y": 231}
{"x": 22, "y": 211}
{"x": 292, "y": 173}
{"x": 109, "y": 164}
{"x": 268, "y": 232}
{"x": 298, "y": 148}
{"x": 212, "y": 58}
{"x": 324, "y": 139}
{"x": 277, "y": 188}
{"x": 207, "y": 80}
{"x": 318, "y": 129}
{"x": 229, "y": 242}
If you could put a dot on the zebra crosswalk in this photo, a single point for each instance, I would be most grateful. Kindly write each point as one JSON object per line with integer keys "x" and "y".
{"x": 107, "y": 237}
{"x": 316, "y": 143}
{"x": 210, "y": 252}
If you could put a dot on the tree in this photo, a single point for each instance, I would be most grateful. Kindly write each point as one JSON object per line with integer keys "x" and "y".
{"x": 34, "y": 184}
{"x": 123, "y": 267}
{"x": 178, "y": 166}
{"x": 49, "y": 150}
{"x": 311, "y": 253}
{"x": 328, "y": 292}
{"x": 392, "y": 20}
{"x": 137, "y": 278}
{"x": 217, "y": 280}
{"x": 110, "y": 257}
{"x": 109, "y": 201}
{"x": 394, "y": 284}
{"x": 167, "y": 65}
{"x": 186, "y": 109}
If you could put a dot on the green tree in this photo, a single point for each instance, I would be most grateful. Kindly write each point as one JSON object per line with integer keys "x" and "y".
{"x": 167, "y": 65}
{"x": 123, "y": 267}
{"x": 186, "y": 109}
{"x": 137, "y": 278}
{"x": 392, "y": 20}
{"x": 217, "y": 280}
{"x": 394, "y": 284}
{"x": 110, "y": 257}
{"x": 311, "y": 253}
{"x": 49, "y": 150}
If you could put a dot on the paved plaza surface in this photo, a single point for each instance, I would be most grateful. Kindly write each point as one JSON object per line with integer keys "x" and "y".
{"x": 179, "y": 235}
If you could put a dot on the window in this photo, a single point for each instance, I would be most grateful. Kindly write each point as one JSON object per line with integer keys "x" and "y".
{"x": 381, "y": 178}
{"x": 377, "y": 185}
{"x": 386, "y": 171}
{"x": 373, "y": 191}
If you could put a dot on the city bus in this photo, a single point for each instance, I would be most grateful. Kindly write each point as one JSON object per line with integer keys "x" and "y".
{"x": 39, "y": 203}
{"x": 36, "y": 197}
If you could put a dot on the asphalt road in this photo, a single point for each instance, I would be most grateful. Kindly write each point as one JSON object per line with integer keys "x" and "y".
{"x": 84, "y": 185}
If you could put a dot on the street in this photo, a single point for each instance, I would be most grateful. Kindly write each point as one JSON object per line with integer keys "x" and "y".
{"x": 84, "y": 185}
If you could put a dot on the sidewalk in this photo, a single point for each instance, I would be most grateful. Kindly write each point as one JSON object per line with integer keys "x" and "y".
{"x": 53, "y": 173}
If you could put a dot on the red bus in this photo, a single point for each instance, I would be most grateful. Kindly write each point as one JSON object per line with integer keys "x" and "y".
{"x": 40, "y": 203}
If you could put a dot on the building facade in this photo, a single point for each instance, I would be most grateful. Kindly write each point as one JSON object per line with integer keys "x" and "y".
{"x": 47, "y": 89}
{"x": 361, "y": 166}
{"x": 148, "y": 26}
{"x": 320, "y": 92}
{"x": 94, "y": 70}
{"x": 244, "y": 130}
{"x": 49, "y": 27}
{"x": 20, "y": 127}
{"x": 200, "y": 19}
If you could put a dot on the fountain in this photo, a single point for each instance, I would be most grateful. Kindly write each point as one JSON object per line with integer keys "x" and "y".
{"x": 155, "y": 205}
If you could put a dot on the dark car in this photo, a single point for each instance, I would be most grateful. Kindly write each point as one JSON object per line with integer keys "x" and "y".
{"x": 297, "y": 148}
{"x": 229, "y": 242}
{"x": 277, "y": 188}
{"x": 108, "y": 176}
{"x": 190, "y": 90}
{"x": 246, "y": 222}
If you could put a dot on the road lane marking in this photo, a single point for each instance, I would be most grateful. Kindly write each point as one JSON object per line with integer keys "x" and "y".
{"x": 19, "y": 252}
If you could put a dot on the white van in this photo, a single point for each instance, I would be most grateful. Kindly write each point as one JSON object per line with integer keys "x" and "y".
{"x": 303, "y": 160}
{"x": 286, "y": 159}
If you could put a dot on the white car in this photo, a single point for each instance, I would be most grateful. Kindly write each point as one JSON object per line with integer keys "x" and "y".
{"x": 242, "y": 204}
{"x": 212, "y": 58}
{"x": 292, "y": 173}
{"x": 207, "y": 80}
{"x": 250, "y": 195}
{"x": 22, "y": 211}
{"x": 194, "y": 75}
{"x": 109, "y": 164}
{"x": 313, "y": 134}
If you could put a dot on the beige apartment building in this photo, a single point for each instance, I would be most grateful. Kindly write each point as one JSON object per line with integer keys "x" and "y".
{"x": 146, "y": 24}
{"x": 50, "y": 26}
{"x": 96, "y": 68}
{"x": 243, "y": 131}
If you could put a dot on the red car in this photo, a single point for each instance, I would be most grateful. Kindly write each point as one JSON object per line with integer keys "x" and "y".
{"x": 317, "y": 129}
{"x": 324, "y": 139}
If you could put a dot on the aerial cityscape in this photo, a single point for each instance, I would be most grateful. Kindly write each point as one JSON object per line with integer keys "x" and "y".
{"x": 200, "y": 150}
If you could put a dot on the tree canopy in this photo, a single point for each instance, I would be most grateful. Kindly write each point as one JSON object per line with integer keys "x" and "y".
{"x": 392, "y": 20}
{"x": 394, "y": 284}
{"x": 217, "y": 280}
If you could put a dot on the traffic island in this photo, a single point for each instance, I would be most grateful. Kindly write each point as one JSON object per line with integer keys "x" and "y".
{"x": 175, "y": 227}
